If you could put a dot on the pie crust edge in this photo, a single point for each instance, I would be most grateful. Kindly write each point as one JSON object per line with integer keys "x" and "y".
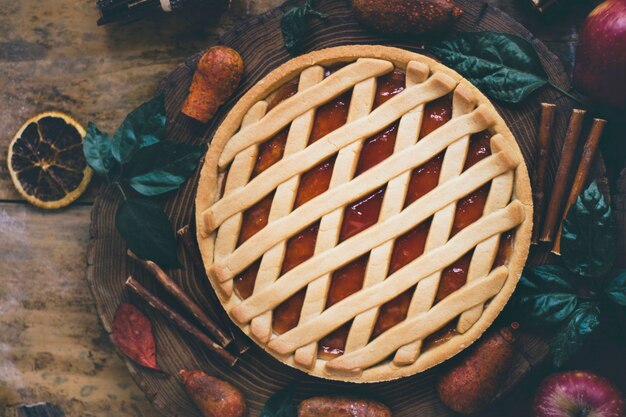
{"x": 209, "y": 184}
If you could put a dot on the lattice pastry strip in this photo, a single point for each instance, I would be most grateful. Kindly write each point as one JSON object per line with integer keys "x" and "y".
{"x": 285, "y": 112}
{"x": 330, "y": 225}
{"x": 423, "y": 324}
{"x": 284, "y": 198}
{"x": 436, "y": 86}
{"x": 377, "y": 266}
{"x": 240, "y": 173}
{"x": 403, "y": 279}
{"x": 418, "y": 211}
{"x": 339, "y": 196}
{"x": 486, "y": 252}
{"x": 441, "y": 225}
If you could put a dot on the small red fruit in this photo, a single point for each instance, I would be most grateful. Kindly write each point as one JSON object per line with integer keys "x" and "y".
{"x": 600, "y": 70}
{"x": 578, "y": 394}
{"x": 475, "y": 381}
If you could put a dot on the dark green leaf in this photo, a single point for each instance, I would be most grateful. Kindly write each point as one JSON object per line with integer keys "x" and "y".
{"x": 147, "y": 231}
{"x": 571, "y": 336}
{"x": 162, "y": 167}
{"x": 545, "y": 295}
{"x": 547, "y": 308}
{"x": 294, "y": 25}
{"x": 280, "y": 404}
{"x": 124, "y": 145}
{"x": 616, "y": 290}
{"x": 142, "y": 127}
{"x": 548, "y": 278}
{"x": 588, "y": 238}
{"x": 502, "y": 66}
{"x": 148, "y": 141}
{"x": 97, "y": 150}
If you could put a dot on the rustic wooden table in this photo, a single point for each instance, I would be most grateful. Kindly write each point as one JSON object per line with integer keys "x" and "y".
{"x": 53, "y": 56}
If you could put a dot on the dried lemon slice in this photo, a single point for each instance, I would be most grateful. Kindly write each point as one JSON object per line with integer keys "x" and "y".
{"x": 46, "y": 160}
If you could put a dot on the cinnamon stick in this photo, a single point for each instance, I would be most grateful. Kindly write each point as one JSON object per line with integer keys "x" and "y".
{"x": 186, "y": 235}
{"x": 545, "y": 139}
{"x": 168, "y": 283}
{"x": 582, "y": 174}
{"x": 180, "y": 321}
{"x": 563, "y": 176}
{"x": 543, "y": 5}
{"x": 189, "y": 242}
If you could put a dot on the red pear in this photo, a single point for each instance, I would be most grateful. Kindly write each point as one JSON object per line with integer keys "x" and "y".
{"x": 406, "y": 16}
{"x": 214, "y": 397}
{"x": 476, "y": 379}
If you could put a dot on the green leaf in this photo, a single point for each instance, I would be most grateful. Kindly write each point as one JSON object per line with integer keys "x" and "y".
{"x": 147, "y": 231}
{"x": 148, "y": 141}
{"x": 97, "y": 150}
{"x": 504, "y": 67}
{"x": 588, "y": 238}
{"x": 142, "y": 127}
{"x": 548, "y": 308}
{"x": 294, "y": 25}
{"x": 546, "y": 295}
{"x": 548, "y": 278}
{"x": 162, "y": 167}
{"x": 571, "y": 336}
{"x": 280, "y": 404}
{"x": 616, "y": 290}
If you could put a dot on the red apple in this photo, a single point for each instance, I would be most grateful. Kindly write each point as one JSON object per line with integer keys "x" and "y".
{"x": 578, "y": 394}
{"x": 600, "y": 70}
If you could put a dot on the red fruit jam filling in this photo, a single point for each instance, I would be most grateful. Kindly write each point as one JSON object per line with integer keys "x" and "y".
{"x": 364, "y": 213}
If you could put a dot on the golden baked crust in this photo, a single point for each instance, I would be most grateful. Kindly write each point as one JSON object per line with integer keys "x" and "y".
{"x": 509, "y": 205}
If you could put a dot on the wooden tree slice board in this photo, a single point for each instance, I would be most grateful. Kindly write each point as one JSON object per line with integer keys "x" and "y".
{"x": 257, "y": 374}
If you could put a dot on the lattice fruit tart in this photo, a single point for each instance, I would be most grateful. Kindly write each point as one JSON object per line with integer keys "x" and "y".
{"x": 363, "y": 213}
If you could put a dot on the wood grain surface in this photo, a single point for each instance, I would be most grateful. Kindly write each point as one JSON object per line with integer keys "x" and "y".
{"x": 258, "y": 375}
{"x": 53, "y": 56}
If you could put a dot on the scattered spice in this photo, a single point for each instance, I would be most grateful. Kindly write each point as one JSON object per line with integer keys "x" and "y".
{"x": 186, "y": 235}
{"x": 582, "y": 173}
{"x": 216, "y": 77}
{"x": 180, "y": 321}
{"x": 563, "y": 176}
{"x": 214, "y": 397}
{"x": 171, "y": 287}
{"x": 133, "y": 335}
{"x": 545, "y": 140}
{"x": 241, "y": 342}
